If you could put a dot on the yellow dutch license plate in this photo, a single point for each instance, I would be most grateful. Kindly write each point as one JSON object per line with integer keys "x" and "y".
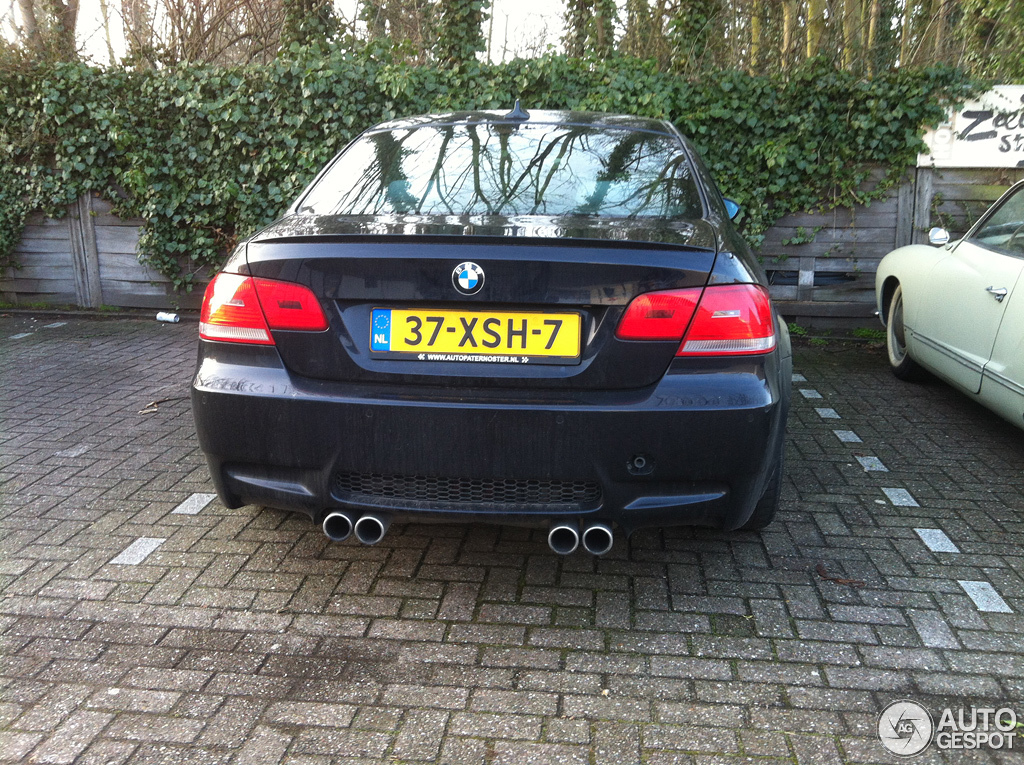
{"x": 512, "y": 337}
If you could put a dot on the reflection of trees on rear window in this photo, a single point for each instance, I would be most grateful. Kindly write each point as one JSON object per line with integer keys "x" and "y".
{"x": 494, "y": 169}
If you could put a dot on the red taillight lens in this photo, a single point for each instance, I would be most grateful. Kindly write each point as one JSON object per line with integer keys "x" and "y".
{"x": 731, "y": 319}
{"x": 659, "y": 315}
{"x": 232, "y": 312}
{"x": 241, "y": 309}
{"x": 727, "y": 319}
{"x": 290, "y": 306}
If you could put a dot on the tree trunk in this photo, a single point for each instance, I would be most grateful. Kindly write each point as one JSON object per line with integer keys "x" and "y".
{"x": 30, "y": 27}
{"x": 755, "y": 36}
{"x": 105, "y": 13}
{"x": 600, "y": 32}
{"x": 876, "y": 12}
{"x": 906, "y": 33}
{"x": 308, "y": 21}
{"x": 789, "y": 10}
{"x": 49, "y": 28}
{"x": 604, "y": 31}
{"x": 815, "y": 26}
{"x": 460, "y": 30}
{"x": 941, "y": 14}
{"x": 65, "y": 17}
{"x": 576, "y": 17}
{"x": 852, "y": 36}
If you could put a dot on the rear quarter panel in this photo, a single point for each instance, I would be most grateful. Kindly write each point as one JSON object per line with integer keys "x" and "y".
{"x": 911, "y": 268}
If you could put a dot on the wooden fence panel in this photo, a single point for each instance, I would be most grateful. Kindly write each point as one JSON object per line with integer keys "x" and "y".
{"x": 829, "y": 271}
{"x": 820, "y": 264}
{"x": 48, "y": 276}
{"x": 823, "y": 263}
{"x": 88, "y": 258}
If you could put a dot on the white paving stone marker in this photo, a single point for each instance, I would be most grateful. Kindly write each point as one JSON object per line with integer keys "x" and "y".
{"x": 54, "y": 325}
{"x": 826, "y": 413}
{"x": 799, "y": 378}
{"x": 75, "y": 451}
{"x": 900, "y": 497}
{"x": 194, "y": 504}
{"x": 847, "y": 436}
{"x": 937, "y": 541}
{"x": 20, "y": 335}
{"x": 809, "y": 393}
{"x": 985, "y": 597}
{"x": 872, "y": 464}
{"x": 138, "y": 551}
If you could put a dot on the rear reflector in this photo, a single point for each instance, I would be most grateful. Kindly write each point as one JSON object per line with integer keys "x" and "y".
{"x": 659, "y": 315}
{"x": 724, "y": 319}
{"x": 241, "y": 309}
{"x": 731, "y": 319}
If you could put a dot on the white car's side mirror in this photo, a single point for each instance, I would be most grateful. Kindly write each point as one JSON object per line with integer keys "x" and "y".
{"x": 938, "y": 236}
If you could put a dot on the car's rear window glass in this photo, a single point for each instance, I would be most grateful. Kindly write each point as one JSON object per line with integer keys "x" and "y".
{"x": 496, "y": 169}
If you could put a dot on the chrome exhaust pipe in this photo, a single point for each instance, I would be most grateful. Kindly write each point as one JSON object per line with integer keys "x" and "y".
{"x": 598, "y": 538}
{"x": 337, "y": 526}
{"x": 371, "y": 528}
{"x": 564, "y": 537}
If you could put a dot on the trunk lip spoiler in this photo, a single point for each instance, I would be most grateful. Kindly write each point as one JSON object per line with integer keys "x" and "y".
{"x": 517, "y": 241}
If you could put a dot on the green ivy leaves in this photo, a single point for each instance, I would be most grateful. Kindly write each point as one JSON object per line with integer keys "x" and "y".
{"x": 209, "y": 155}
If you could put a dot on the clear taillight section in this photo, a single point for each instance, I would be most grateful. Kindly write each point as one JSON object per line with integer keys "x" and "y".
{"x": 720, "y": 320}
{"x": 731, "y": 319}
{"x": 244, "y": 309}
{"x": 231, "y": 312}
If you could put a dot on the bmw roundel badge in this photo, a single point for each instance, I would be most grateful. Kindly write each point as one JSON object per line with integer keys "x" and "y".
{"x": 468, "y": 278}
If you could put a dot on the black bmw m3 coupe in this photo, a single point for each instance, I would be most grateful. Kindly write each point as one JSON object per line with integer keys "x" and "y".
{"x": 544, "y": 319}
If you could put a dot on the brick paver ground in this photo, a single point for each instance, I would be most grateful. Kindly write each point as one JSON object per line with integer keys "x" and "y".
{"x": 131, "y": 633}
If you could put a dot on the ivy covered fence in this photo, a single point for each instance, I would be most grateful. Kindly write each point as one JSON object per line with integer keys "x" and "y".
{"x": 207, "y": 155}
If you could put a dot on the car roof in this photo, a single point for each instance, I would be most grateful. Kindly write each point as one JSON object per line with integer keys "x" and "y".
{"x": 536, "y": 117}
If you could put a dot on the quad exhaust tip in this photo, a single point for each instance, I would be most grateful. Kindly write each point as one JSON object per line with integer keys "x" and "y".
{"x": 598, "y": 538}
{"x": 564, "y": 537}
{"x": 338, "y": 526}
{"x": 371, "y": 528}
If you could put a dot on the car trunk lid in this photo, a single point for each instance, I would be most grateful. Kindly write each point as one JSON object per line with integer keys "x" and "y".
{"x": 534, "y": 270}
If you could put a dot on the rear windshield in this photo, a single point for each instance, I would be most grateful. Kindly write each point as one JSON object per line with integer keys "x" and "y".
{"x": 500, "y": 169}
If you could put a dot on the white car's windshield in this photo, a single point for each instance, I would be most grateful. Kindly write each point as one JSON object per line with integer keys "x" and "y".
{"x": 1004, "y": 229}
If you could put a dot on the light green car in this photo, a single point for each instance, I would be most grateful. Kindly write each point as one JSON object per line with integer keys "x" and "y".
{"x": 950, "y": 308}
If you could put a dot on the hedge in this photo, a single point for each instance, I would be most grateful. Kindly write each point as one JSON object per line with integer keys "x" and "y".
{"x": 207, "y": 155}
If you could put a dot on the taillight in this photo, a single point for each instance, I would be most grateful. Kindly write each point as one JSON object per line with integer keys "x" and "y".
{"x": 232, "y": 312}
{"x": 242, "y": 309}
{"x": 290, "y": 306}
{"x": 659, "y": 315}
{"x": 731, "y": 319}
{"x": 723, "y": 319}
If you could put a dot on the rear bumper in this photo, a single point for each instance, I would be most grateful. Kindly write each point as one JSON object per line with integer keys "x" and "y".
{"x": 708, "y": 438}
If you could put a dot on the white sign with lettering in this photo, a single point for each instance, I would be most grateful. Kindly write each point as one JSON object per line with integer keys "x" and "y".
{"x": 988, "y": 132}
